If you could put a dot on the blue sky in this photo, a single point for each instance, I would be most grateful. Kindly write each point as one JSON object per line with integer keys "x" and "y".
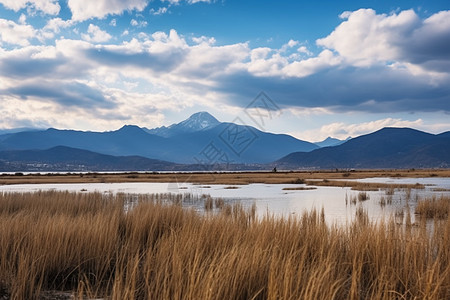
{"x": 333, "y": 68}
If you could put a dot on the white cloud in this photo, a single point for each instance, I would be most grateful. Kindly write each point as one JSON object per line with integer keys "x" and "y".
{"x": 204, "y": 39}
{"x": 401, "y": 41}
{"x": 199, "y": 1}
{"x": 181, "y": 71}
{"x": 176, "y": 74}
{"x": 261, "y": 64}
{"x": 343, "y": 130}
{"x": 288, "y": 45}
{"x": 84, "y": 10}
{"x": 42, "y": 108}
{"x": 366, "y": 38}
{"x": 430, "y": 43}
{"x": 15, "y": 5}
{"x": 204, "y": 61}
{"x": 303, "y": 68}
{"x": 16, "y": 34}
{"x": 23, "y": 19}
{"x": 301, "y": 112}
{"x": 15, "y": 114}
{"x": 50, "y": 7}
{"x": 163, "y": 42}
{"x": 159, "y": 11}
{"x": 96, "y": 35}
{"x": 260, "y": 53}
{"x": 56, "y": 24}
{"x": 303, "y": 49}
{"x": 113, "y": 23}
{"x": 266, "y": 62}
{"x": 175, "y": 2}
{"x": 53, "y": 27}
{"x": 139, "y": 24}
{"x": 37, "y": 113}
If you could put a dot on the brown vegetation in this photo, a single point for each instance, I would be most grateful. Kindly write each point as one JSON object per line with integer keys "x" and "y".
{"x": 88, "y": 245}
{"x": 354, "y": 199}
{"x": 363, "y": 186}
{"x": 218, "y": 178}
{"x": 440, "y": 190}
{"x": 434, "y": 207}
{"x": 299, "y": 188}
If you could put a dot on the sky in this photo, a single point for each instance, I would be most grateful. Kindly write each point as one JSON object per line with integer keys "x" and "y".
{"x": 330, "y": 68}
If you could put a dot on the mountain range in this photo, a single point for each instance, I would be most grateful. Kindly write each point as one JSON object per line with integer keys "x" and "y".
{"x": 63, "y": 158}
{"x": 385, "y": 148}
{"x": 202, "y": 140}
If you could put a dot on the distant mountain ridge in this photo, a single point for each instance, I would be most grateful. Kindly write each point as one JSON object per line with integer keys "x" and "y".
{"x": 200, "y": 142}
{"x": 187, "y": 142}
{"x": 385, "y": 148}
{"x": 62, "y": 158}
{"x": 330, "y": 142}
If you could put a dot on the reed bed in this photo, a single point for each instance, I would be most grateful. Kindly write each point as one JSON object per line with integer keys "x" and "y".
{"x": 364, "y": 186}
{"x": 434, "y": 207}
{"x": 354, "y": 199}
{"x": 228, "y": 178}
{"x": 300, "y": 188}
{"x": 87, "y": 245}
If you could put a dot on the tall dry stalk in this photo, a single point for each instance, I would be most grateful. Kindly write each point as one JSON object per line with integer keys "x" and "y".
{"x": 89, "y": 245}
{"x": 434, "y": 207}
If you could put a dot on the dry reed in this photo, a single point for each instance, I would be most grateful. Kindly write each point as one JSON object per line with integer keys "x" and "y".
{"x": 88, "y": 245}
{"x": 364, "y": 186}
{"x": 434, "y": 207}
{"x": 228, "y": 178}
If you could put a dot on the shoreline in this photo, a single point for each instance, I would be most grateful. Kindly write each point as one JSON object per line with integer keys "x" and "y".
{"x": 239, "y": 178}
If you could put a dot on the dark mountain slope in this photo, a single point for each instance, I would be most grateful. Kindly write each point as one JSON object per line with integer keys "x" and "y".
{"x": 386, "y": 148}
{"x": 237, "y": 143}
{"x": 330, "y": 142}
{"x": 65, "y": 158}
{"x": 445, "y": 134}
{"x": 129, "y": 140}
{"x": 184, "y": 143}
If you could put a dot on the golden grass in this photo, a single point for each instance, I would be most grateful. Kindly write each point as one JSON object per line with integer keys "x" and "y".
{"x": 363, "y": 196}
{"x": 231, "y": 187}
{"x": 218, "y": 178}
{"x": 354, "y": 199}
{"x": 440, "y": 190}
{"x": 300, "y": 188}
{"x": 88, "y": 245}
{"x": 434, "y": 207}
{"x": 364, "y": 186}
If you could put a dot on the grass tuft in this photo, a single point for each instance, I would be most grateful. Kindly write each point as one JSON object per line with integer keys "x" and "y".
{"x": 434, "y": 207}
{"x": 87, "y": 245}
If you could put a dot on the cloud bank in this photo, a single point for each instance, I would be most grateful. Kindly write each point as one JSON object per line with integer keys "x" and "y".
{"x": 50, "y": 7}
{"x": 369, "y": 63}
{"x": 84, "y": 10}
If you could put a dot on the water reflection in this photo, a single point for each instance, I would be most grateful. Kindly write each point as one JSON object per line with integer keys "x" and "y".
{"x": 339, "y": 203}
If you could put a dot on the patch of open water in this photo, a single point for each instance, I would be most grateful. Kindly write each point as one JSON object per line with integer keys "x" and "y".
{"x": 274, "y": 199}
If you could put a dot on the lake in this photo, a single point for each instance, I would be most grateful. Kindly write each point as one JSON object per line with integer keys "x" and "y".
{"x": 276, "y": 200}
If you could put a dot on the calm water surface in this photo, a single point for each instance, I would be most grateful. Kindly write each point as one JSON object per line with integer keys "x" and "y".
{"x": 273, "y": 199}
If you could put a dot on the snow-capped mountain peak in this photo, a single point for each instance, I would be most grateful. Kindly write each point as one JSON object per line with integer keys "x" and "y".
{"x": 197, "y": 122}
